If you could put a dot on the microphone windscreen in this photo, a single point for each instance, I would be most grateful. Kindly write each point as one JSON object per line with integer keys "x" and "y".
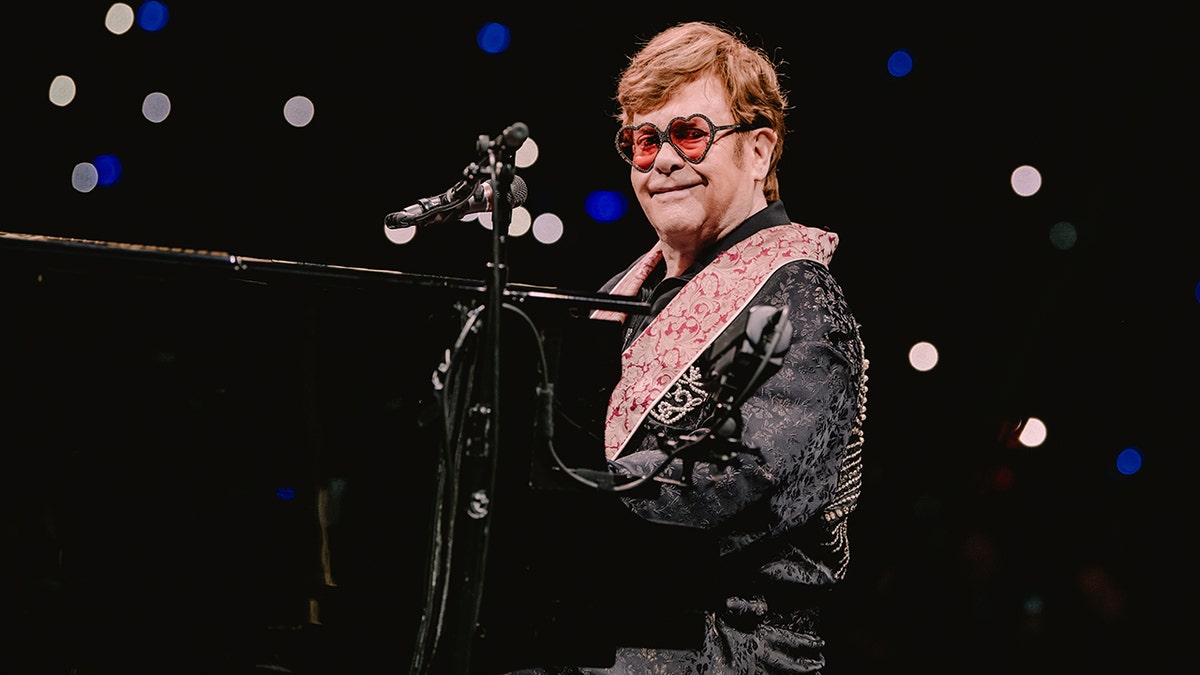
{"x": 519, "y": 192}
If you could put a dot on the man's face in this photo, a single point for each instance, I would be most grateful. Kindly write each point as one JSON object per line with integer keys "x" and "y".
{"x": 693, "y": 205}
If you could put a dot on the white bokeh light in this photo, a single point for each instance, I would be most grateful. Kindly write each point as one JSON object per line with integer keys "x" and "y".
{"x": 521, "y": 220}
{"x": 1033, "y": 433}
{"x": 923, "y": 356}
{"x": 119, "y": 18}
{"x": 62, "y": 90}
{"x": 156, "y": 107}
{"x": 1026, "y": 180}
{"x": 547, "y": 228}
{"x": 401, "y": 235}
{"x": 85, "y": 177}
{"x": 526, "y": 155}
{"x": 517, "y": 226}
{"x": 299, "y": 111}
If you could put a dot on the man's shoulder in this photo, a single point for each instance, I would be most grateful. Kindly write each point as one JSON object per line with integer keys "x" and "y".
{"x": 786, "y": 241}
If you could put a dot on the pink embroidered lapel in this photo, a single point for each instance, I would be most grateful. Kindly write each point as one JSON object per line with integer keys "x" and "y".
{"x": 696, "y": 316}
{"x": 632, "y": 281}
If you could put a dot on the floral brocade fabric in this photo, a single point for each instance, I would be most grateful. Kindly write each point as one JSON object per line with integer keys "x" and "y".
{"x": 779, "y": 512}
{"x": 696, "y": 315}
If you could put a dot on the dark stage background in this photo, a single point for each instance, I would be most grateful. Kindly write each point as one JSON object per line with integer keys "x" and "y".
{"x": 170, "y": 427}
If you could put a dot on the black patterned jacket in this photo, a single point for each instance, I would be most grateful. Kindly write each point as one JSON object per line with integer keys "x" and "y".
{"x": 779, "y": 514}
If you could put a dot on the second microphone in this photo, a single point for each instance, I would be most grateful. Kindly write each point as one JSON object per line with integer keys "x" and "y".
{"x": 441, "y": 208}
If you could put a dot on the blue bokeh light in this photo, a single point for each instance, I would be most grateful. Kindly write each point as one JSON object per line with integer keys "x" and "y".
{"x": 900, "y": 63}
{"x": 152, "y": 16}
{"x": 1129, "y": 461}
{"x": 493, "y": 38}
{"x": 108, "y": 169}
{"x": 1198, "y": 291}
{"x": 285, "y": 493}
{"x": 606, "y": 206}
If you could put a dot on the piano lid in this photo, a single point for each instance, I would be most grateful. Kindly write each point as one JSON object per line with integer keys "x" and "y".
{"x": 91, "y": 255}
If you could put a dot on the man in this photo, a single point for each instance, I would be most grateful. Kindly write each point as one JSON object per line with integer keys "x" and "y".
{"x": 703, "y": 128}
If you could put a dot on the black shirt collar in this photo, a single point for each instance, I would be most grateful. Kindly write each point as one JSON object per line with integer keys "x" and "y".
{"x": 659, "y": 289}
{"x": 771, "y": 216}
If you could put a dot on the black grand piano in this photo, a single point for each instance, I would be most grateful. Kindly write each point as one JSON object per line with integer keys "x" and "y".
{"x": 224, "y": 464}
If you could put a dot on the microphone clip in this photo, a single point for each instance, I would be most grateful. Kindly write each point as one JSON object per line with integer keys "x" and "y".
{"x": 509, "y": 141}
{"x": 457, "y": 194}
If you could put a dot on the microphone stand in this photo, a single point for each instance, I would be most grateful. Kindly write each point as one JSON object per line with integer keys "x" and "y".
{"x": 475, "y": 485}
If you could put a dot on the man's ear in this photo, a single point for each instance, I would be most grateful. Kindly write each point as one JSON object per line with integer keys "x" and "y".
{"x": 762, "y": 147}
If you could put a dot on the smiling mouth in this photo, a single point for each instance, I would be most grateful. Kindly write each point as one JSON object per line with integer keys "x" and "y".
{"x": 669, "y": 190}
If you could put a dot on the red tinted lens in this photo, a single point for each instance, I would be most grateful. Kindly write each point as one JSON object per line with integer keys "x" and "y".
{"x": 640, "y": 145}
{"x": 691, "y": 136}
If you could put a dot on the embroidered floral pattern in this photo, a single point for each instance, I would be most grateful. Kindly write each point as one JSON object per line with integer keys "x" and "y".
{"x": 697, "y": 315}
{"x": 685, "y": 396}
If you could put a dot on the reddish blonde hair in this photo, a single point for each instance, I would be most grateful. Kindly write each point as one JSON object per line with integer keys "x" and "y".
{"x": 689, "y": 51}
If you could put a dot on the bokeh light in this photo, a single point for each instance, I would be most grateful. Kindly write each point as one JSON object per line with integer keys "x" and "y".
{"x": 62, "y": 90}
{"x": 108, "y": 169}
{"x": 152, "y": 16}
{"x": 119, "y": 19}
{"x": 923, "y": 356}
{"x": 493, "y": 38}
{"x": 156, "y": 107}
{"x": 605, "y": 206}
{"x": 518, "y": 224}
{"x": 299, "y": 111}
{"x": 84, "y": 177}
{"x": 1129, "y": 461}
{"x": 1063, "y": 235}
{"x": 547, "y": 228}
{"x": 401, "y": 235}
{"x": 1026, "y": 180}
{"x": 900, "y": 63}
{"x": 1034, "y": 605}
{"x": 526, "y": 155}
{"x": 1033, "y": 433}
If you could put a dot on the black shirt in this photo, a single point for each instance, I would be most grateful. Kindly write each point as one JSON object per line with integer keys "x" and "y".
{"x": 659, "y": 289}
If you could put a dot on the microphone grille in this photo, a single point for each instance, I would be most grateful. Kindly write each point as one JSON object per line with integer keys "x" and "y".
{"x": 519, "y": 192}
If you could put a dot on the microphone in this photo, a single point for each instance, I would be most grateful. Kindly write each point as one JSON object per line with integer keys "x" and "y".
{"x": 749, "y": 351}
{"x": 512, "y": 138}
{"x": 450, "y": 205}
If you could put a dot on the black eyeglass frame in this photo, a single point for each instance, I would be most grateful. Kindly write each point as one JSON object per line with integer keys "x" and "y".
{"x": 665, "y": 136}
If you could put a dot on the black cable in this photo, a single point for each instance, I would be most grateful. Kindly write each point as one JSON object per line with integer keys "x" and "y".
{"x": 442, "y": 537}
{"x": 637, "y": 481}
{"x": 441, "y": 548}
{"x": 546, "y": 387}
